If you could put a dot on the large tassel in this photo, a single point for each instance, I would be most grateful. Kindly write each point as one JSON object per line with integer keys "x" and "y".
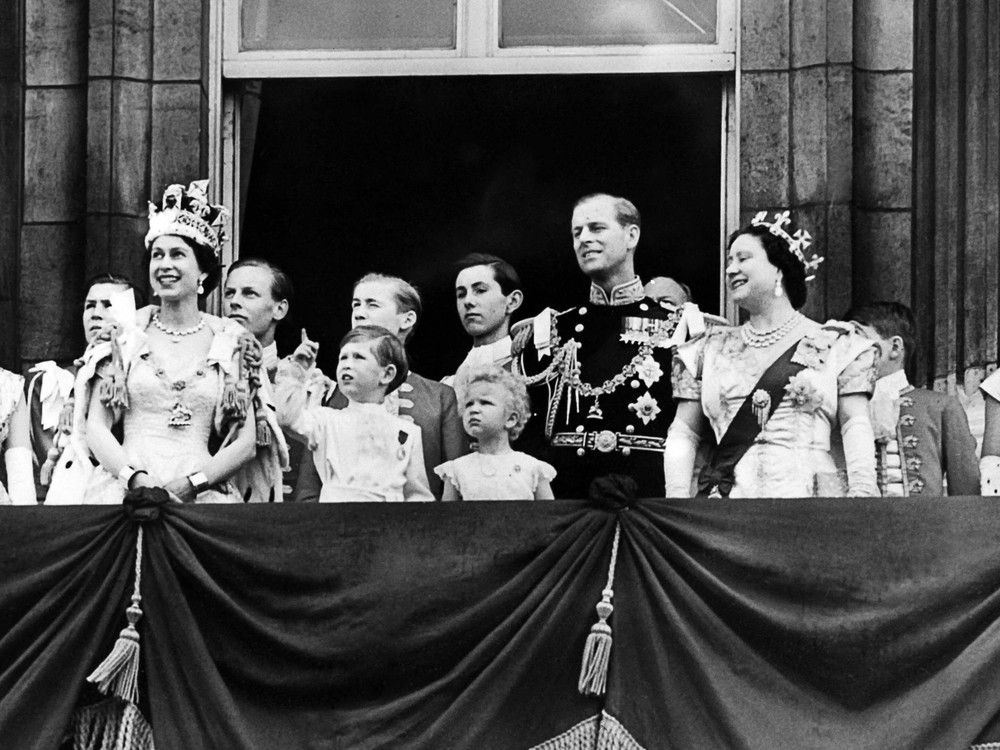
{"x": 59, "y": 442}
{"x": 113, "y": 391}
{"x": 597, "y": 651}
{"x": 263, "y": 429}
{"x": 51, "y": 458}
{"x": 119, "y": 672}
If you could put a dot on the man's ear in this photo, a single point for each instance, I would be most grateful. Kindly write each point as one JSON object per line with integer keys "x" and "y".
{"x": 632, "y": 232}
{"x": 407, "y": 320}
{"x": 388, "y": 374}
{"x": 514, "y": 300}
{"x": 897, "y": 349}
{"x": 280, "y": 309}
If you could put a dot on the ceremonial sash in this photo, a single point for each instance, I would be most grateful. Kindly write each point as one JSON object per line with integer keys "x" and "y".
{"x": 719, "y": 472}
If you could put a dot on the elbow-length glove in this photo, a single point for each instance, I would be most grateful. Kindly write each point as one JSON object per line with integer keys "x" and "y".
{"x": 679, "y": 451}
{"x": 859, "y": 455}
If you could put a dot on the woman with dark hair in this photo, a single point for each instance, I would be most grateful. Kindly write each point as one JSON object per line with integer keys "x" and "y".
{"x": 772, "y": 388}
{"x": 184, "y": 384}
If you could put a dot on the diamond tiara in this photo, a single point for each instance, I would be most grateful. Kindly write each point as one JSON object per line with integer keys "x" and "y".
{"x": 797, "y": 243}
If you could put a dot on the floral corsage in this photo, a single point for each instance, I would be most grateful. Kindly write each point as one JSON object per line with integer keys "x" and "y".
{"x": 803, "y": 393}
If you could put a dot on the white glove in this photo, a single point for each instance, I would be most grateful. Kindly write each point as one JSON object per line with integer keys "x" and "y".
{"x": 20, "y": 481}
{"x": 989, "y": 474}
{"x": 679, "y": 451}
{"x": 859, "y": 455}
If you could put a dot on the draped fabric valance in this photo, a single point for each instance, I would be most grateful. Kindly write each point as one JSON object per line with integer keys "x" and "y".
{"x": 758, "y": 624}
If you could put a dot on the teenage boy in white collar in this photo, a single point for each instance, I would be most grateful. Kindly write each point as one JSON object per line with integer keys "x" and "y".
{"x": 487, "y": 293}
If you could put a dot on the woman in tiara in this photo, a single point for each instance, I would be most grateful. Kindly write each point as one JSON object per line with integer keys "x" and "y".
{"x": 185, "y": 385}
{"x": 771, "y": 389}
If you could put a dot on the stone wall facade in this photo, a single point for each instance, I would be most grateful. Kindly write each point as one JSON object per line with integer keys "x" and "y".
{"x": 105, "y": 103}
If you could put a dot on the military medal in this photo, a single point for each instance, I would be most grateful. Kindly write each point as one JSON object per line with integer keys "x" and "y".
{"x": 595, "y": 411}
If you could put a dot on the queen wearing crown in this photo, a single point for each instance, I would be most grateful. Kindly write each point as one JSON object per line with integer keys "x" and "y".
{"x": 771, "y": 389}
{"x": 184, "y": 385}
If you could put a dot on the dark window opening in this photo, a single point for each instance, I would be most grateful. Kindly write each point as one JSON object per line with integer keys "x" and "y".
{"x": 405, "y": 175}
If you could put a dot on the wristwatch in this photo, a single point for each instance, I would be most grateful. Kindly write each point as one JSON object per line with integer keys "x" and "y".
{"x": 199, "y": 481}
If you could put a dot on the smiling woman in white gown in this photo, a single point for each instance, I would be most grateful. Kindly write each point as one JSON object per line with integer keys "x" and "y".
{"x": 185, "y": 385}
{"x": 771, "y": 389}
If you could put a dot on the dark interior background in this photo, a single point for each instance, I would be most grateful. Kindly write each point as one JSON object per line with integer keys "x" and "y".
{"x": 406, "y": 175}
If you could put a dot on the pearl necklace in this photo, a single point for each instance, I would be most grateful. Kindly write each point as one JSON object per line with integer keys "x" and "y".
{"x": 763, "y": 339}
{"x": 177, "y": 332}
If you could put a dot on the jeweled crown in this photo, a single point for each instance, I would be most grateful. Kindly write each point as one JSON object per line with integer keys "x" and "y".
{"x": 186, "y": 212}
{"x": 797, "y": 243}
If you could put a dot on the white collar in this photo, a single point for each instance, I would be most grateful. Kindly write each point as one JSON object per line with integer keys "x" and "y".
{"x": 489, "y": 353}
{"x": 892, "y": 385}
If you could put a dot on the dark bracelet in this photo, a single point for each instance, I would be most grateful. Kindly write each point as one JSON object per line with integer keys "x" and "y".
{"x": 136, "y": 473}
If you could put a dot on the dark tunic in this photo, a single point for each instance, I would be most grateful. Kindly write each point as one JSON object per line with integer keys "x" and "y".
{"x": 933, "y": 441}
{"x": 621, "y": 429}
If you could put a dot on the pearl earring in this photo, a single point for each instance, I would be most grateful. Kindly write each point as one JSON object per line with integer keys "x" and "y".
{"x": 201, "y": 289}
{"x": 778, "y": 291}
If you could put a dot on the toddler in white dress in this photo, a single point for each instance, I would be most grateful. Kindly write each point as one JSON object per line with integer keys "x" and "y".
{"x": 362, "y": 453}
{"x": 495, "y": 407}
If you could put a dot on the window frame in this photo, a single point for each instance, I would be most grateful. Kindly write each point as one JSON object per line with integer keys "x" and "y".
{"x": 478, "y": 52}
{"x": 229, "y": 69}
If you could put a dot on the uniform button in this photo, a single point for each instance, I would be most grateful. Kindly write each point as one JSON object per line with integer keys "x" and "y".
{"x": 582, "y": 311}
{"x": 579, "y": 428}
{"x": 629, "y": 429}
{"x": 580, "y": 452}
{"x": 579, "y": 327}
{"x": 643, "y": 306}
{"x": 635, "y": 383}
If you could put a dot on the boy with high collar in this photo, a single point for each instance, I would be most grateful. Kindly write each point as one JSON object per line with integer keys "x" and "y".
{"x": 922, "y": 437}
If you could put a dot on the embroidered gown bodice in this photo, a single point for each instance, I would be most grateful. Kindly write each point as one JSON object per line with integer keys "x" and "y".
{"x": 790, "y": 456}
{"x": 156, "y": 402}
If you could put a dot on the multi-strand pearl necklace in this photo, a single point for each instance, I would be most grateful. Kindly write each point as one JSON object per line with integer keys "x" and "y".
{"x": 763, "y": 339}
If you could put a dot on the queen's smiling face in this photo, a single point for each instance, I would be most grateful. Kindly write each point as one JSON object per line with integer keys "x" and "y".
{"x": 173, "y": 268}
{"x": 750, "y": 276}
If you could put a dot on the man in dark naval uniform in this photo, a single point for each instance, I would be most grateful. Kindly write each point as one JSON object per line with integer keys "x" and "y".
{"x": 600, "y": 372}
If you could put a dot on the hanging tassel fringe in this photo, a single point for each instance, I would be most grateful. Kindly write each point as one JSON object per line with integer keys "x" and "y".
{"x": 51, "y": 457}
{"x": 113, "y": 391}
{"x": 263, "y": 430}
{"x": 111, "y": 725}
{"x": 597, "y": 651}
{"x": 119, "y": 672}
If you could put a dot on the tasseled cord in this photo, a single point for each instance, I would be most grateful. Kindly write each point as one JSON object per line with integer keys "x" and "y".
{"x": 59, "y": 442}
{"x": 119, "y": 672}
{"x": 113, "y": 391}
{"x": 597, "y": 651}
{"x": 117, "y": 723}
